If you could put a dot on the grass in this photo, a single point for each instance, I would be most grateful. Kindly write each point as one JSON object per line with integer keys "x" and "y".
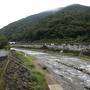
{"x": 7, "y": 47}
{"x": 84, "y": 57}
{"x": 37, "y": 77}
{"x": 72, "y": 53}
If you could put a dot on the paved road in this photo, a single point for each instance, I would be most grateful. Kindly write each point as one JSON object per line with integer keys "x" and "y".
{"x": 73, "y": 72}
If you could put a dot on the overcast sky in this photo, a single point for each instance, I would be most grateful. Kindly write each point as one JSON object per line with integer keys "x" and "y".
{"x": 12, "y": 10}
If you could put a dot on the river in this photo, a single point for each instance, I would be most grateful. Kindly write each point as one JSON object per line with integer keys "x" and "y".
{"x": 74, "y": 72}
{"x": 3, "y": 53}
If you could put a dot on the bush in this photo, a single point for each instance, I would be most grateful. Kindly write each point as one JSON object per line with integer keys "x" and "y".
{"x": 3, "y": 41}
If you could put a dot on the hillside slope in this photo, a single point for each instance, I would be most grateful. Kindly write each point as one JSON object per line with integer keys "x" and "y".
{"x": 71, "y": 24}
{"x": 22, "y": 24}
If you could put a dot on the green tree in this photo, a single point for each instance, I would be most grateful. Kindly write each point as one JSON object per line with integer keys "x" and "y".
{"x": 3, "y": 41}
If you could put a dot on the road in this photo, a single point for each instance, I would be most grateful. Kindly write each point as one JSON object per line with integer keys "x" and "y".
{"x": 72, "y": 72}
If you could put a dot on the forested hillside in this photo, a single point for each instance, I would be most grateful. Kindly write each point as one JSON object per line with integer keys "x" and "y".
{"x": 69, "y": 24}
{"x": 23, "y": 24}
{"x": 3, "y": 41}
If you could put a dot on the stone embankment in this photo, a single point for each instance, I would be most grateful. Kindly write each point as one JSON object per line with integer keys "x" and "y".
{"x": 14, "y": 74}
{"x": 83, "y": 49}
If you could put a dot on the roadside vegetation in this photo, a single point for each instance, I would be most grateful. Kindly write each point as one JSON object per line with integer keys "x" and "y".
{"x": 3, "y": 42}
{"x": 38, "y": 79}
{"x": 84, "y": 57}
{"x": 35, "y": 81}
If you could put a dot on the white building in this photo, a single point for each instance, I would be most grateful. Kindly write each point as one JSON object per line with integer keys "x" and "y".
{"x": 12, "y": 42}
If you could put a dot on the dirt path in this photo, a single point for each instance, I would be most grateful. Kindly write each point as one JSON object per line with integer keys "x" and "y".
{"x": 50, "y": 79}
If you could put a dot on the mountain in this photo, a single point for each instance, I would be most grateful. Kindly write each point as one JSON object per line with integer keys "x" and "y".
{"x": 22, "y": 24}
{"x": 77, "y": 8}
{"x": 68, "y": 24}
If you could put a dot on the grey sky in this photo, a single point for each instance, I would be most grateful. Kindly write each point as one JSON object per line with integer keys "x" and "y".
{"x": 12, "y": 10}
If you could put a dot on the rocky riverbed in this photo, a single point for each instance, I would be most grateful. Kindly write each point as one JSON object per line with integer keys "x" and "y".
{"x": 74, "y": 72}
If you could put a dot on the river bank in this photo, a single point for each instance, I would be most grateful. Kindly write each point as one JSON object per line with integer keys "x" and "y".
{"x": 81, "y": 51}
{"x": 14, "y": 74}
{"x": 53, "y": 84}
{"x": 70, "y": 70}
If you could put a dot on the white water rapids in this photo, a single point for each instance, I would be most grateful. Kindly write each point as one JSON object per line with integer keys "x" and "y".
{"x": 72, "y": 69}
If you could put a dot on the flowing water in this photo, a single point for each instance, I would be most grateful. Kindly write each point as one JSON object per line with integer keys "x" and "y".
{"x": 74, "y": 71}
{"x": 3, "y": 53}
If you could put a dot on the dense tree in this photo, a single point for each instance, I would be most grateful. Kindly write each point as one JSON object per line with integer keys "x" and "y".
{"x": 70, "y": 24}
{"x": 3, "y": 41}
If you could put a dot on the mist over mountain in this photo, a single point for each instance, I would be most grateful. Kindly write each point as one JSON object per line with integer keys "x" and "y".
{"x": 68, "y": 24}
